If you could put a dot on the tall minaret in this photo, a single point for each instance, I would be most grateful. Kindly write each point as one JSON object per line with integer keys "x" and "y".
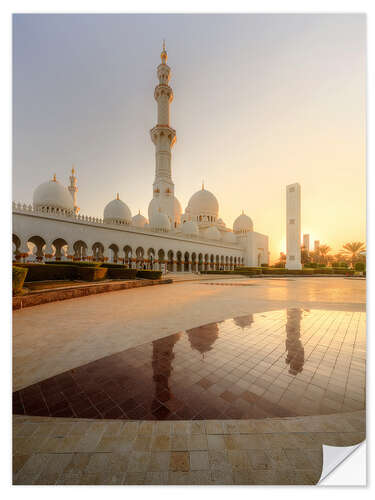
{"x": 73, "y": 190}
{"x": 164, "y": 137}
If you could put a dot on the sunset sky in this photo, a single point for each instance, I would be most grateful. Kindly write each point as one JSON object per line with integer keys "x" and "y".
{"x": 260, "y": 101}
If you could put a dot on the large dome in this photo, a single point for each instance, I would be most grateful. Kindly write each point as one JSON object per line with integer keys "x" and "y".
{"x": 52, "y": 194}
{"x": 212, "y": 233}
{"x": 202, "y": 203}
{"x": 190, "y": 228}
{"x": 163, "y": 204}
{"x": 117, "y": 211}
{"x": 139, "y": 220}
{"x": 243, "y": 224}
{"x": 160, "y": 222}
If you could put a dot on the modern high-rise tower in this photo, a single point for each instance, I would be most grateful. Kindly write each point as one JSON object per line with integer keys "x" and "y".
{"x": 164, "y": 137}
{"x": 306, "y": 242}
{"x": 293, "y": 226}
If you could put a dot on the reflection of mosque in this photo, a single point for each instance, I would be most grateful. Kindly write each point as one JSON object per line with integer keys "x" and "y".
{"x": 295, "y": 352}
{"x": 244, "y": 321}
{"x": 202, "y": 338}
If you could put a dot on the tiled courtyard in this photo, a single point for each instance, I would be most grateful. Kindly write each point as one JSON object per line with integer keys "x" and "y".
{"x": 246, "y": 399}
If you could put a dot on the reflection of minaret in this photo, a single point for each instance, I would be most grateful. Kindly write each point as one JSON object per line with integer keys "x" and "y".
{"x": 164, "y": 137}
{"x": 202, "y": 338}
{"x": 244, "y": 321}
{"x": 162, "y": 358}
{"x": 295, "y": 352}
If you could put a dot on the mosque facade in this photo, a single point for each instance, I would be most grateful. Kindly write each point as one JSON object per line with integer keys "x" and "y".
{"x": 52, "y": 227}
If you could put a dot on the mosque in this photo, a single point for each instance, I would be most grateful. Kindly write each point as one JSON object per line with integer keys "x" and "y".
{"x": 196, "y": 240}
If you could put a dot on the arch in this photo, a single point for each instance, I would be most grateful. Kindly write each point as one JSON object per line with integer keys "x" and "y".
{"x": 200, "y": 262}
{"x": 139, "y": 253}
{"x": 97, "y": 251}
{"x": 150, "y": 258}
{"x": 170, "y": 261}
{"x": 231, "y": 263}
{"x": 114, "y": 250}
{"x": 212, "y": 260}
{"x": 80, "y": 250}
{"x": 217, "y": 263}
{"x": 61, "y": 248}
{"x": 161, "y": 258}
{"x": 16, "y": 242}
{"x": 186, "y": 262}
{"x": 235, "y": 262}
{"x": 128, "y": 253}
{"x": 259, "y": 259}
{"x": 39, "y": 243}
{"x": 179, "y": 261}
{"x": 194, "y": 262}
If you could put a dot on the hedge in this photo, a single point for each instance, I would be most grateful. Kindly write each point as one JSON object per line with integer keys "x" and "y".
{"x": 218, "y": 272}
{"x": 301, "y": 272}
{"x": 18, "y": 278}
{"x": 41, "y": 272}
{"x": 80, "y": 263}
{"x": 91, "y": 273}
{"x": 121, "y": 274}
{"x": 343, "y": 270}
{"x": 149, "y": 274}
{"x": 109, "y": 265}
{"x": 324, "y": 270}
{"x": 275, "y": 270}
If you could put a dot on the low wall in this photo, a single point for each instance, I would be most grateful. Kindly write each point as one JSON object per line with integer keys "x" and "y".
{"x": 43, "y": 297}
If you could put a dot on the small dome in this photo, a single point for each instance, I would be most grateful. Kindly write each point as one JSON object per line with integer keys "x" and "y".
{"x": 220, "y": 222}
{"x": 230, "y": 237}
{"x": 212, "y": 233}
{"x": 52, "y": 194}
{"x": 139, "y": 220}
{"x": 190, "y": 228}
{"x": 203, "y": 202}
{"x": 243, "y": 224}
{"x": 160, "y": 222}
{"x": 117, "y": 211}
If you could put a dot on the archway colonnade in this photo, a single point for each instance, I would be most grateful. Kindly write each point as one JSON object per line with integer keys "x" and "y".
{"x": 36, "y": 249}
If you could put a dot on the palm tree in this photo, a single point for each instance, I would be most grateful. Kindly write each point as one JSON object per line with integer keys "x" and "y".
{"x": 353, "y": 249}
{"x": 324, "y": 251}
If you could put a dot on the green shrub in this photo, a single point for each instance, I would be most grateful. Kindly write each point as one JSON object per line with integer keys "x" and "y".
{"x": 342, "y": 270}
{"x": 360, "y": 266}
{"x": 18, "y": 278}
{"x": 121, "y": 274}
{"x": 41, "y": 272}
{"x": 301, "y": 272}
{"x": 149, "y": 274}
{"x": 324, "y": 270}
{"x": 110, "y": 265}
{"x": 313, "y": 265}
{"x": 247, "y": 271}
{"x": 219, "y": 272}
{"x": 274, "y": 270}
{"x": 81, "y": 263}
{"x": 91, "y": 273}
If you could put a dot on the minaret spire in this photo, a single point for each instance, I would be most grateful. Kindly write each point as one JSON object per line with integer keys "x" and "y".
{"x": 73, "y": 189}
{"x": 164, "y": 137}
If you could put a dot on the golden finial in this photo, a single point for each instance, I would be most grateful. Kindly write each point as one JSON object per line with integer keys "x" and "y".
{"x": 73, "y": 170}
{"x": 54, "y": 178}
{"x": 163, "y": 54}
{"x": 243, "y": 213}
{"x": 202, "y": 185}
{"x": 117, "y": 196}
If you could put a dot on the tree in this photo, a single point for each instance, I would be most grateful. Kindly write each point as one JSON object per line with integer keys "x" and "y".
{"x": 323, "y": 252}
{"x": 353, "y": 250}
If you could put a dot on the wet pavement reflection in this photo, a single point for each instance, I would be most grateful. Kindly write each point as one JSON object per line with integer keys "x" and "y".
{"x": 289, "y": 362}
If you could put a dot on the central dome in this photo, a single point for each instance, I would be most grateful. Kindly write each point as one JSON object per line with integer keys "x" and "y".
{"x": 118, "y": 212}
{"x": 52, "y": 194}
{"x": 203, "y": 203}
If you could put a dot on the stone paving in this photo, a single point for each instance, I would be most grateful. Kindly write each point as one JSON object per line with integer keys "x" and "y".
{"x": 268, "y": 451}
{"x": 52, "y": 338}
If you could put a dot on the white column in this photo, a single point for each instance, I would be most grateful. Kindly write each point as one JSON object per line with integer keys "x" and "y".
{"x": 293, "y": 226}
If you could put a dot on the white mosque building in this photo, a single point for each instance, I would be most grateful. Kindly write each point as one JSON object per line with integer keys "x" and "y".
{"x": 196, "y": 240}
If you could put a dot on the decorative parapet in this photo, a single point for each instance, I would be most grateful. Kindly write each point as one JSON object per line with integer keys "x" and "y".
{"x": 18, "y": 207}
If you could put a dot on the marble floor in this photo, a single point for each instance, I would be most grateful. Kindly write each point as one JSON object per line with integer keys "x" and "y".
{"x": 224, "y": 363}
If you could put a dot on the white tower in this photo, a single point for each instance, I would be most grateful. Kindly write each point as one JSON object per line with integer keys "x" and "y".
{"x": 164, "y": 137}
{"x": 293, "y": 226}
{"x": 73, "y": 190}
